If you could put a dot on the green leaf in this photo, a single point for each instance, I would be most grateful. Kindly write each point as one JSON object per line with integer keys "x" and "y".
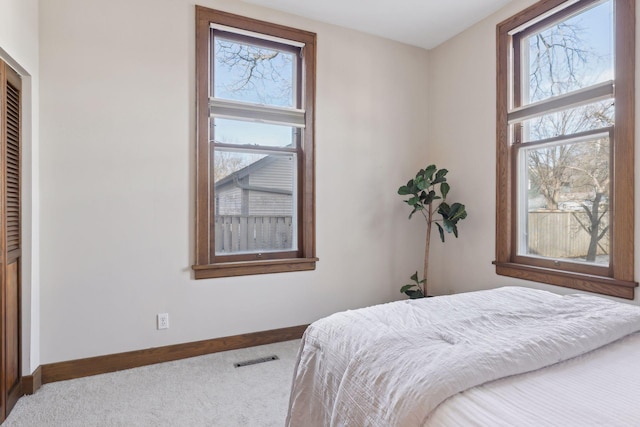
{"x": 414, "y": 276}
{"x": 405, "y": 288}
{"x": 458, "y": 211}
{"x": 440, "y": 176}
{"x": 441, "y": 173}
{"x": 421, "y": 183}
{"x": 404, "y": 190}
{"x": 428, "y": 172}
{"x": 455, "y": 231}
{"x": 448, "y": 225}
{"x": 444, "y": 189}
{"x": 441, "y": 232}
{"x": 430, "y": 197}
{"x": 426, "y": 175}
{"x": 444, "y": 210}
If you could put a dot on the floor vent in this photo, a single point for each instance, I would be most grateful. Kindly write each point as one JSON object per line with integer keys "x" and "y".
{"x": 255, "y": 361}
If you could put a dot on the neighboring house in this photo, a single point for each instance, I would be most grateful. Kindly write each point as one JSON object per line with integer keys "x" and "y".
{"x": 254, "y": 207}
{"x": 264, "y": 188}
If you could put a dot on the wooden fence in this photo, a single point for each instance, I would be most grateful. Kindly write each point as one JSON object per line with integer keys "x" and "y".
{"x": 240, "y": 233}
{"x": 558, "y": 234}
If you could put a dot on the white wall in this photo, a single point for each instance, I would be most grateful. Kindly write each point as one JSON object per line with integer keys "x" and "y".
{"x": 117, "y": 180}
{"x": 19, "y": 48}
{"x": 462, "y": 120}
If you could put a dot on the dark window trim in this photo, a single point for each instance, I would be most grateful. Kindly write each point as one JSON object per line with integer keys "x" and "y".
{"x": 619, "y": 279}
{"x": 206, "y": 264}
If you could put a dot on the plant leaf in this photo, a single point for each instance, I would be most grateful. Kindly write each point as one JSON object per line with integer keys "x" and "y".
{"x": 441, "y": 232}
{"x": 421, "y": 183}
{"x": 414, "y": 277}
{"x": 444, "y": 189}
{"x": 458, "y": 211}
{"x": 441, "y": 173}
{"x": 405, "y": 288}
{"x": 440, "y": 176}
{"x": 448, "y": 225}
{"x": 430, "y": 170}
{"x": 444, "y": 210}
{"x": 430, "y": 197}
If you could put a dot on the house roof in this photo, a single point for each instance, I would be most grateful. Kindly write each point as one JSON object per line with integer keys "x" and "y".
{"x": 234, "y": 178}
{"x": 245, "y": 171}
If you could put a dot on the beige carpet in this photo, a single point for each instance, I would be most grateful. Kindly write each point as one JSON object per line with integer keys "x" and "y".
{"x": 201, "y": 391}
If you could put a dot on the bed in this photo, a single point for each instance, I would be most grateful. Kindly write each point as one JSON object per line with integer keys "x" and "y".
{"x": 501, "y": 357}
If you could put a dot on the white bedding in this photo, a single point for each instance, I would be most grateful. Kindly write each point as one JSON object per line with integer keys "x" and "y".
{"x": 393, "y": 364}
{"x": 600, "y": 388}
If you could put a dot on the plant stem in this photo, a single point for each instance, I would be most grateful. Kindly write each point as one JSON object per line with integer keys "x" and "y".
{"x": 426, "y": 250}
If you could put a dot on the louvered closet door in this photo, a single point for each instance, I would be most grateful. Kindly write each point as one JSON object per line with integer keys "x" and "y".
{"x": 10, "y": 241}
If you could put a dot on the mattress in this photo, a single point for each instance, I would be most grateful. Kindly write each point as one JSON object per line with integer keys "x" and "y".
{"x": 600, "y": 388}
{"x": 406, "y": 363}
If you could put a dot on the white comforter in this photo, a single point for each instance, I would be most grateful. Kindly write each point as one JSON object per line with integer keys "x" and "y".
{"x": 393, "y": 364}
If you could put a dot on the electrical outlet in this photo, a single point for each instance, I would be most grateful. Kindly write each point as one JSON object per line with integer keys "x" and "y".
{"x": 163, "y": 320}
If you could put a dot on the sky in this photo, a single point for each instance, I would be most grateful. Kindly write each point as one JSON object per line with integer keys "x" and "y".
{"x": 271, "y": 84}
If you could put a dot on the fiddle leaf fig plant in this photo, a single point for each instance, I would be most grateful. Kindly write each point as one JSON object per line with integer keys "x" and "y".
{"x": 427, "y": 195}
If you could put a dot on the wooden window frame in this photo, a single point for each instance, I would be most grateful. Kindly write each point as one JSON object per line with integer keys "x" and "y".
{"x": 207, "y": 264}
{"x": 618, "y": 279}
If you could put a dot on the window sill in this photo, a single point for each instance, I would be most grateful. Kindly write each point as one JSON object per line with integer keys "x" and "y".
{"x": 247, "y": 268}
{"x": 583, "y": 282}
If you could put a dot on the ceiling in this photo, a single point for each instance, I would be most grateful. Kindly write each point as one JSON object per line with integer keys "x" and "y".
{"x": 423, "y": 23}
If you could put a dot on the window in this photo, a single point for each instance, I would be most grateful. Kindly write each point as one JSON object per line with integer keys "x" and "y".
{"x": 565, "y": 144}
{"x": 255, "y": 153}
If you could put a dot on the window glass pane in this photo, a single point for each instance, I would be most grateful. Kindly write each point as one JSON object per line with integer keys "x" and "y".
{"x": 570, "y": 55}
{"x": 255, "y": 199}
{"x": 565, "y": 193}
{"x": 249, "y": 73}
{"x": 252, "y": 133}
{"x": 566, "y": 122}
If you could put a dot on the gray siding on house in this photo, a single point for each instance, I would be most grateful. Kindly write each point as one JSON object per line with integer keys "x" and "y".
{"x": 270, "y": 204}
{"x": 277, "y": 175}
{"x": 229, "y": 201}
{"x": 259, "y": 190}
